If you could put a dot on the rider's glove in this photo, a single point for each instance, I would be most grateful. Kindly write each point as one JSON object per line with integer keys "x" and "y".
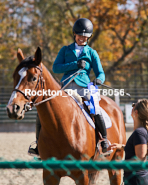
{"x": 97, "y": 82}
{"x": 81, "y": 64}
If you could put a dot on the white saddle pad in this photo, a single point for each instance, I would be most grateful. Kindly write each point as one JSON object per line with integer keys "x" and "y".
{"x": 106, "y": 117}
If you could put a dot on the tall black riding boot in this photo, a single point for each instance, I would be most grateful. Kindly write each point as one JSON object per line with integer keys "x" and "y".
{"x": 34, "y": 151}
{"x": 100, "y": 125}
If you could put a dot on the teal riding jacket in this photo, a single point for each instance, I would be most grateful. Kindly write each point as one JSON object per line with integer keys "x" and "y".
{"x": 66, "y": 62}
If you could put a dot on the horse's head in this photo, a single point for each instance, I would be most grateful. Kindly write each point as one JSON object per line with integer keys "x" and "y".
{"x": 27, "y": 75}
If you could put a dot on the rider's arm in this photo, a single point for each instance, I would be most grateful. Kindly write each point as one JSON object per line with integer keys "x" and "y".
{"x": 60, "y": 66}
{"x": 97, "y": 67}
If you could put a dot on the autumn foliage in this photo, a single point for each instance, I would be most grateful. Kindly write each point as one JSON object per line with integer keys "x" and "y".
{"x": 120, "y": 29}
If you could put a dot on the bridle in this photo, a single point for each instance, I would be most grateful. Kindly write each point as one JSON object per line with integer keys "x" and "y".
{"x": 41, "y": 80}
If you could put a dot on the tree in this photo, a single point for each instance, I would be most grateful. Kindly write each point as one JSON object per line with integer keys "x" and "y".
{"x": 13, "y": 29}
{"x": 120, "y": 27}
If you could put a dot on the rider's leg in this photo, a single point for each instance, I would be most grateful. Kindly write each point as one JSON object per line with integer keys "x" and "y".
{"x": 100, "y": 125}
{"x": 38, "y": 127}
{"x": 99, "y": 121}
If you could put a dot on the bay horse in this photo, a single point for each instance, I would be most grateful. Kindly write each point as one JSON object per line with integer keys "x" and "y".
{"x": 64, "y": 128}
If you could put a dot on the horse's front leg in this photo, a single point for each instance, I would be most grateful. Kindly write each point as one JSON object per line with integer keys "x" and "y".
{"x": 50, "y": 179}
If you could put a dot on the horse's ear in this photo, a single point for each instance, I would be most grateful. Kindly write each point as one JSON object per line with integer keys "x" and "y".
{"x": 20, "y": 55}
{"x": 38, "y": 56}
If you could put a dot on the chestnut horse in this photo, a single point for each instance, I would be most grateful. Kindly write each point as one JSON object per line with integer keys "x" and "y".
{"x": 64, "y": 128}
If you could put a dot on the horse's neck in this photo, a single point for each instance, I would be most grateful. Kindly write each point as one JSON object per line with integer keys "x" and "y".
{"x": 49, "y": 109}
{"x": 49, "y": 80}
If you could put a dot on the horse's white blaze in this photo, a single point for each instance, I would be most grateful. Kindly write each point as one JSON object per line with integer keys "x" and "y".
{"x": 22, "y": 72}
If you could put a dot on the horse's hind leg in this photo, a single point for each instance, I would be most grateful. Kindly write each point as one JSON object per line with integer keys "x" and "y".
{"x": 50, "y": 179}
{"x": 93, "y": 178}
{"x": 115, "y": 177}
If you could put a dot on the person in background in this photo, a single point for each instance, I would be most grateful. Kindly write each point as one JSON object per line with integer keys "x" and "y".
{"x": 136, "y": 145}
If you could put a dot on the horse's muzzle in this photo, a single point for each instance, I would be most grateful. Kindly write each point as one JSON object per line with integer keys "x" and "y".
{"x": 14, "y": 111}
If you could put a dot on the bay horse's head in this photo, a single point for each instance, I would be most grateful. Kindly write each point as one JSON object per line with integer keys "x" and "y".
{"x": 27, "y": 75}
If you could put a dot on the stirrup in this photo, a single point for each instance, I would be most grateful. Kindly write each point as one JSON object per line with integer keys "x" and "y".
{"x": 108, "y": 152}
{"x": 31, "y": 151}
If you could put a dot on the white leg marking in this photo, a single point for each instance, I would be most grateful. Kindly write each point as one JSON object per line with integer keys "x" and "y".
{"x": 22, "y": 72}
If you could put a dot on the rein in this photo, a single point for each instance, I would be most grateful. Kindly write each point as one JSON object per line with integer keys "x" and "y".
{"x": 76, "y": 74}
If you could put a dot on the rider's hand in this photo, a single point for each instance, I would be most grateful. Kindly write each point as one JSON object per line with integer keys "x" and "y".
{"x": 81, "y": 64}
{"x": 97, "y": 82}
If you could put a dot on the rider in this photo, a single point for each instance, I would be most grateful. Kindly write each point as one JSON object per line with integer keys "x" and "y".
{"x": 79, "y": 55}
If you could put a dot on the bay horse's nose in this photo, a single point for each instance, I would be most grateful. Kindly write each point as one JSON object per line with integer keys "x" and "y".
{"x": 9, "y": 109}
{"x": 12, "y": 110}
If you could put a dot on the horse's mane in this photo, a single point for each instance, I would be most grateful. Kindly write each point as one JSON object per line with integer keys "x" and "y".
{"x": 28, "y": 62}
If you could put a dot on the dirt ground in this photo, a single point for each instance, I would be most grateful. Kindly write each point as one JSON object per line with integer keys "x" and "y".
{"x": 14, "y": 146}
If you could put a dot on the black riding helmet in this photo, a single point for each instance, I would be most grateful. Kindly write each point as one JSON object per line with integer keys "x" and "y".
{"x": 83, "y": 27}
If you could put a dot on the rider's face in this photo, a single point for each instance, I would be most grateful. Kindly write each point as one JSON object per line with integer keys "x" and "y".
{"x": 81, "y": 40}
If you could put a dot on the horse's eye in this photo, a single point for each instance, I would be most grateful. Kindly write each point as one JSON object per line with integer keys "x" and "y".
{"x": 34, "y": 78}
